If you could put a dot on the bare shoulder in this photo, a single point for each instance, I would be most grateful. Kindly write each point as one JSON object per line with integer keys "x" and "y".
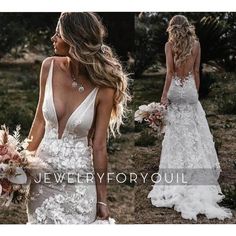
{"x": 168, "y": 46}
{"x": 106, "y": 94}
{"x": 197, "y": 45}
{"x": 46, "y": 63}
{"x": 45, "y": 70}
{"x": 59, "y": 62}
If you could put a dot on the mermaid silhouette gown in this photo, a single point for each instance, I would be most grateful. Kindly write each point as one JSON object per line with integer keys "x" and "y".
{"x": 69, "y": 198}
{"x": 188, "y": 151}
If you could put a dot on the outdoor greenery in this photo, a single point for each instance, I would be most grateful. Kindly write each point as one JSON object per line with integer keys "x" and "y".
{"x": 18, "y": 96}
{"x": 216, "y": 33}
{"x": 22, "y": 32}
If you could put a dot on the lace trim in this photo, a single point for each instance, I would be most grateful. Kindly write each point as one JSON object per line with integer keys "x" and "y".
{"x": 73, "y": 208}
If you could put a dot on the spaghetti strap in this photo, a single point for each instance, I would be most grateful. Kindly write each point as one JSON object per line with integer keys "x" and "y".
{"x": 49, "y": 77}
{"x": 50, "y": 69}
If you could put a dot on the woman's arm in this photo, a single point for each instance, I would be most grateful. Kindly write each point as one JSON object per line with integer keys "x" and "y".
{"x": 38, "y": 125}
{"x": 197, "y": 66}
{"x": 99, "y": 143}
{"x": 169, "y": 72}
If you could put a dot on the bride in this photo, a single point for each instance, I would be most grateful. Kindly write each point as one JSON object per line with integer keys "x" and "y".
{"x": 83, "y": 91}
{"x": 188, "y": 148}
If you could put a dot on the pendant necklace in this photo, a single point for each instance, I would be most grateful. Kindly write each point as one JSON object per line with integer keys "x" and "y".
{"x": 75, "y": 84}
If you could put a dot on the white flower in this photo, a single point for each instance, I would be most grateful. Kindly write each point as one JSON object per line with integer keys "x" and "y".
{"x": 153, "y": 113}
{"x": 25, "y": 143}
{"x": 139, "y": 116}
{"x": 12, "y": 142}
{"x": 59, "y": 198}
{"x": 19, "y": 177}
{"x": 153, "y": 106}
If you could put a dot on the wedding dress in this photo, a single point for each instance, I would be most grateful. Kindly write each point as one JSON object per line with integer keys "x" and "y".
{"x": 65, "y": 202}
{"x": 188, "y": 150}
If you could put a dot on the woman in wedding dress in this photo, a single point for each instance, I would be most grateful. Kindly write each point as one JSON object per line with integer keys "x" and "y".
{"x": 188, "y": 148}
{"x": 83, "y": 92}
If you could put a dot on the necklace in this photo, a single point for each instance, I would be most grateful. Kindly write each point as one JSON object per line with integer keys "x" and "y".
{"x": 75, "y": 84}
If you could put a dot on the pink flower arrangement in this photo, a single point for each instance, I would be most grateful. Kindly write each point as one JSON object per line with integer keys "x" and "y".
{"x": 14, "y": 162}
{"x": 154, "y": 114}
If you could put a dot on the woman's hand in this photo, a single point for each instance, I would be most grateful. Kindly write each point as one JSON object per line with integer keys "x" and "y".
{"x": 165, "y": 101}
{"x": 102, "y": 212}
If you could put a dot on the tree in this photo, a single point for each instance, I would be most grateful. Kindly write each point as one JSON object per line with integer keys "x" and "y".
{"x": 32, "y": 31}
{"x": 216, "y": 33}
{"x": 20, "y": 31}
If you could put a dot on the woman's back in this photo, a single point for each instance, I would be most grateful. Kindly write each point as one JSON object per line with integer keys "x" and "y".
{"x": 188, "y": 66}
{"x": 183, "y": 88}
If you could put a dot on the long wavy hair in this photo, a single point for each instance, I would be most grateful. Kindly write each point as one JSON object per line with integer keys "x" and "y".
{"x": 85, "y": 33}
{"x": 182, "y": 36}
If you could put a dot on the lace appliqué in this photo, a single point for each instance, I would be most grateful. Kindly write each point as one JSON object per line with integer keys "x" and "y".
{"x": 188, "y": 146}
{"x": 69, "y": 154}
{"x": 67, "y": 208}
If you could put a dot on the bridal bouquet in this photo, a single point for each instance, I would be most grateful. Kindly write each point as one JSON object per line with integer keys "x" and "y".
{"x": 15, "y": 161}
{"x": 154, "y": 114}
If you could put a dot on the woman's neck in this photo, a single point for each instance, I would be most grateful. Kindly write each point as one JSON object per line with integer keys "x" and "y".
{"x": 76, "y": 67}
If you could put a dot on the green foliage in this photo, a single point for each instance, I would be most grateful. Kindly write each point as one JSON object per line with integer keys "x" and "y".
{"x": 227, "y": 104}
{"x": 120, "y": 28}
{"x": 223, "y": 92}
{"x": 128, "y": 125}
{"x": 215, "y": 43}
{"x": 207, "y": 79}
{"x": 112, "y": 145}
{"x": 230, "y": 196}
{"x": 139, "y": 126}
{"x": 14, "y": 115}
{"x": 216, "y": 33}
{"x": 150, "y": 39}
{"x": 22, "y": 31}
{"x": 145, "y": 139}
{"x": 18, "y": 96}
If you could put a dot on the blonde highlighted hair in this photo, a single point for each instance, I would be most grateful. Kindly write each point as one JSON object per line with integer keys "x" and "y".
{"x": 84, "y": 33}
{"x": 182, "y": 37}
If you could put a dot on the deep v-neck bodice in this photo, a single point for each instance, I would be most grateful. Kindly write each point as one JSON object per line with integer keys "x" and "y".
{"x": 66, "y": 198}
{"x": 83, "y": 113}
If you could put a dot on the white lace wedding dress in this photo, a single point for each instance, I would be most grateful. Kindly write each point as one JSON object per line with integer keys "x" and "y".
{"x": 188, "y": 150}
{"x": 55, "y": 202}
